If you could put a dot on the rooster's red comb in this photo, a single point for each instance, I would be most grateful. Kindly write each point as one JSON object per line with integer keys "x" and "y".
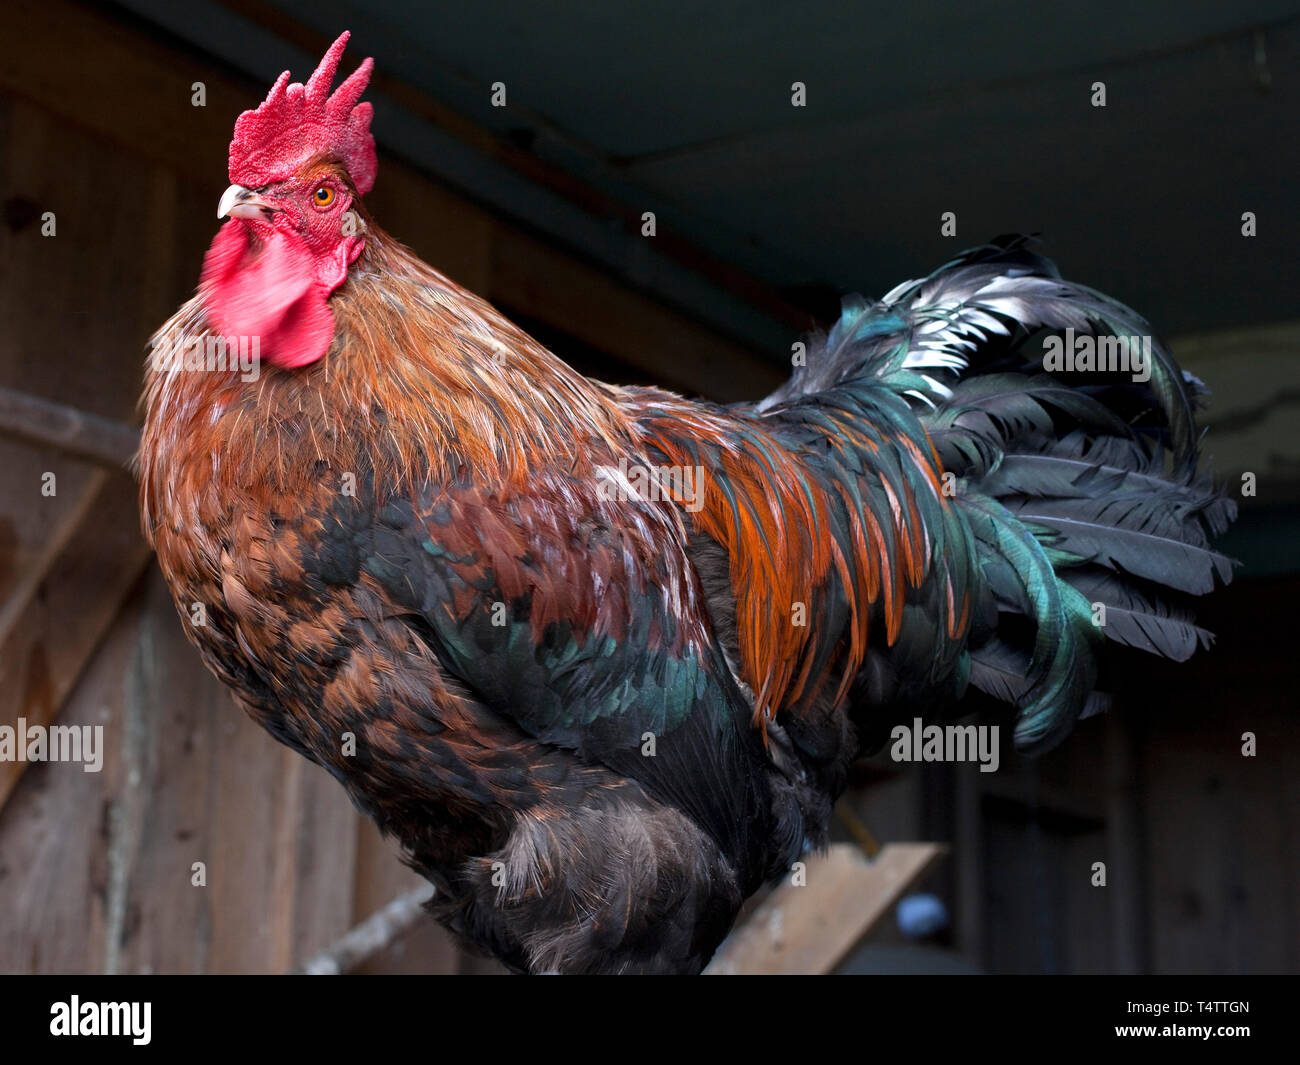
{"x": 297, "y": 122}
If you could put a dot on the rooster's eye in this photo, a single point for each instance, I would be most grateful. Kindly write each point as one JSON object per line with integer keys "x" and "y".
{"x": 324, "y": 196}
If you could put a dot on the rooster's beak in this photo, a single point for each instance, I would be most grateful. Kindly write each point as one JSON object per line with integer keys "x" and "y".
{"x": 239, "y": 202}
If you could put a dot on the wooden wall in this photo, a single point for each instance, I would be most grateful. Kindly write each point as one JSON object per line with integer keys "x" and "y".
{"x": 100, "y": 865}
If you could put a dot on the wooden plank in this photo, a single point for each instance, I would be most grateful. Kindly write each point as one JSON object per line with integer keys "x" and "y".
{"x": 810, "y": 929}
{"x": 64, "y": 518}
{"x": 1033, "y": 793}
{"x": 1222, "y": 865}
{"x": 56, "y": 829}
{"x": 322, "y": 857}
{"x": 157, "y": 919}
{"x": 101, "y": 863}
{"x": 68, "y": 335}
{"x": 253, "y": 820}
{"x": 49, "y": 635}
{"x": 200, "y": 782}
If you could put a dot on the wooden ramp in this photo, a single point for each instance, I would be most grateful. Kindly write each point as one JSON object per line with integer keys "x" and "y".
{"x": 810, "y": 927}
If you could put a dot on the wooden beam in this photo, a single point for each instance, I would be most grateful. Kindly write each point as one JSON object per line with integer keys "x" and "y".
{"x": 810, "y": 929}
{"x": 72, "y": 431}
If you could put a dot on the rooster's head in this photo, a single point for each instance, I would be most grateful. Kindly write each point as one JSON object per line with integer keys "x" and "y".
{"x": 298, "y": 164}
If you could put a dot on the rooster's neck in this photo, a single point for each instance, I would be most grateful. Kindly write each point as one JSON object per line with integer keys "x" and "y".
{"x": 448, "y": 375}
{"x": 423, "y": 380}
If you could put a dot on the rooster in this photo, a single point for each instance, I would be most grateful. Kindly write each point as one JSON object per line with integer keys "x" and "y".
{"x": 598, "y": 657}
